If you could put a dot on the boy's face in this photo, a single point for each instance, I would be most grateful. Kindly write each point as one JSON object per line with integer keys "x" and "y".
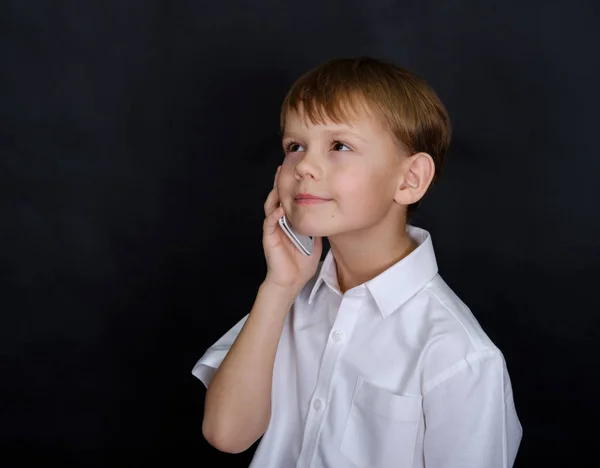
{"x": 354, "y": 169}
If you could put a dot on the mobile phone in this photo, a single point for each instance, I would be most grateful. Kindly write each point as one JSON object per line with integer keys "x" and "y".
{"x": 304, "y": 244}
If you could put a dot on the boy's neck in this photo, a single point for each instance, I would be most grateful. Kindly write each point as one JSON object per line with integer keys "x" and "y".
{"x": 361, "y": 256}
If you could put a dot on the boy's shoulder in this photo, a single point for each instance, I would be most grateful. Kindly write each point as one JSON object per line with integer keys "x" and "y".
{"x": 452, "y": 337}
{"x": 444, "y": 310}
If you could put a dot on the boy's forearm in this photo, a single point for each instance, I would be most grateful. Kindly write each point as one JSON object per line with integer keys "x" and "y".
{"x": 238, "y": 399}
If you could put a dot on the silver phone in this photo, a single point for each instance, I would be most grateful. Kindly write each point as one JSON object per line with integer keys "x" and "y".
{"x": 304, "y": 244}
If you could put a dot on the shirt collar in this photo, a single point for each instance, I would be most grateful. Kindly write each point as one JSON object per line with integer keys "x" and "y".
{"x": 396, "y": 285}
{"x": 327, "y": 275}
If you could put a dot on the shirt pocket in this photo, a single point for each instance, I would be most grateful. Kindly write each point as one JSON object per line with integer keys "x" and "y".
{"x": 382, "y": 428}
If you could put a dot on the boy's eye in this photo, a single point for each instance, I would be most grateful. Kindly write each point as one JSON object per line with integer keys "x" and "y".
{"x": 339, "y": 146}
{"x": 293, "y": 147}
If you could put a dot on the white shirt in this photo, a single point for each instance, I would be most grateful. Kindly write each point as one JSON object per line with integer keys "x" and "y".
{"x": 396, "y": 372}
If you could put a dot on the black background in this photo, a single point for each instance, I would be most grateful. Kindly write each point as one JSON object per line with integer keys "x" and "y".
{"x": 138, "y": 141}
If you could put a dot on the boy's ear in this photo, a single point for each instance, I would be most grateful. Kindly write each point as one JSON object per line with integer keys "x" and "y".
{"x": 417, "y": 174}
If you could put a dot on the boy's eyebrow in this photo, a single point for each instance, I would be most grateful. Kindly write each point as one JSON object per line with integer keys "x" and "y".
{"x": 332, "y": 133}
{"x": 288, "y": 134}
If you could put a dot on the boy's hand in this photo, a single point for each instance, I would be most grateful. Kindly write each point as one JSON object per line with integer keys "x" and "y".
{"x": 287, "y": 267}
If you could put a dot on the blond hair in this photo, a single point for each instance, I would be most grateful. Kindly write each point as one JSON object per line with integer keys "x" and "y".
{"x": 404, "y": 102}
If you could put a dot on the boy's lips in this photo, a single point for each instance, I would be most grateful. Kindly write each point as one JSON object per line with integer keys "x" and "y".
{"x": 309, "y": 199}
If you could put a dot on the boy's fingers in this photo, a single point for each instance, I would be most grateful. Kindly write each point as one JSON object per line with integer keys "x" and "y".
{"x": 271, "y": 202}
{"x": 270, "y": 223}
{"x": 276, "y": 177}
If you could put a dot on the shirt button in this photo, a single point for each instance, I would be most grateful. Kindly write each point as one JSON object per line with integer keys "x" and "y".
{"x": 317, "y": 404}
{"x": 337, "y": 336}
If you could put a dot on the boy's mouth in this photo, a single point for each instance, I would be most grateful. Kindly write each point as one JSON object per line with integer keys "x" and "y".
{"x": 310, "y": 196}
{"x": 309, "y": 199}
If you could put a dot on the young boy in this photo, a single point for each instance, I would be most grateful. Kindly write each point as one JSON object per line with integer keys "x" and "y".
{"x": 367, "y": 359}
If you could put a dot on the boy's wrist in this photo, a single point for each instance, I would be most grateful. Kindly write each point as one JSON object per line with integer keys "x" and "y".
{"x": 285, "y": 294}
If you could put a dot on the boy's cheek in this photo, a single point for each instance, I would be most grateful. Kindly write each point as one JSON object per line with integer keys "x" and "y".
{"x": 284, "y": 189}
{"x": 286, "y": 178}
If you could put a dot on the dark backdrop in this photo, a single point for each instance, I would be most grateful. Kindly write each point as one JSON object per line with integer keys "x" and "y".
{"x": 134, "y": 133}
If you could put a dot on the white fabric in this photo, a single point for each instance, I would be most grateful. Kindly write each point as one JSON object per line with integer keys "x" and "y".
{"x": 396, "y": 372}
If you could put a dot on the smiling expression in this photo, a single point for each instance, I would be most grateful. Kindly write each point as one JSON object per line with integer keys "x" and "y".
{"x": 337, "y": 177}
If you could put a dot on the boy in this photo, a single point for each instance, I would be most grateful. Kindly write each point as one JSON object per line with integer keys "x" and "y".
{"x": 367, "y": 359}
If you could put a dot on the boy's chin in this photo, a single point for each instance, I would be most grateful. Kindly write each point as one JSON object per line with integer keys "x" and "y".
{"x": 306, "y": 229}
{"x": 312, "y": 231}
{"x": 314, "y": 227}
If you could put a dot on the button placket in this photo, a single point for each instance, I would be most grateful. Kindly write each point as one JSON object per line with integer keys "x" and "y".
{"x": 345, "y": 320}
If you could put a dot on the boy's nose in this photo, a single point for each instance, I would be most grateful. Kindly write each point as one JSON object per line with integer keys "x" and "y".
{"x": 308, "y": 166}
